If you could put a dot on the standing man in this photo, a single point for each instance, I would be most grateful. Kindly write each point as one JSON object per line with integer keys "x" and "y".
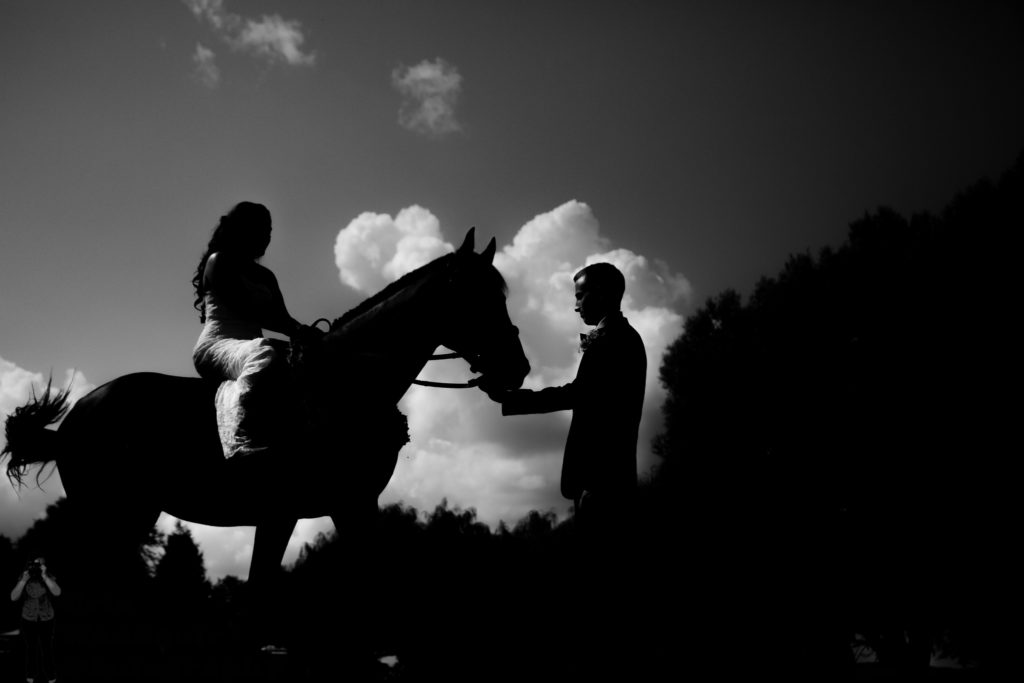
{"x": 607, "y": 397}
{"x": 598, "y": 466}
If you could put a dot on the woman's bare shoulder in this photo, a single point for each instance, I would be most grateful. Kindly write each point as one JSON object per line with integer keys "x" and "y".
{"x": 218, "y": 269}
{"x": 218, "y": 262}
{"x": 221, "y": 260}
{"x": 222, "y": 268}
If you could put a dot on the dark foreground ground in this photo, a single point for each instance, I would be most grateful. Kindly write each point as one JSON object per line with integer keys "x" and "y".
{"x": 442, "y": 639}
{"x": 147, "y": 653}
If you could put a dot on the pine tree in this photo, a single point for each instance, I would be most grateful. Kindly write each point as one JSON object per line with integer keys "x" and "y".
{"x": 180, "y": 575}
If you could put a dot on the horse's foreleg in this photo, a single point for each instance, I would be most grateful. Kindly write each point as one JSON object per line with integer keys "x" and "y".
{"x": 265, "y": 575}
{"x": 355, "y": 589}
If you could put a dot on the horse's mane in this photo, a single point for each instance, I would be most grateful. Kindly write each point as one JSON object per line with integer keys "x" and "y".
{"x": 403, "y": 282}
{"x": 392, "y": 289}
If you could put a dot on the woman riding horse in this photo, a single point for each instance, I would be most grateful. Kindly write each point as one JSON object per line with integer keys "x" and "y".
{"x": 237, "y": 298}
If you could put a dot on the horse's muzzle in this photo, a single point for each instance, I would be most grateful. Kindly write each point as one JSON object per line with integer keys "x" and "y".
{"x": 505, "y": 369}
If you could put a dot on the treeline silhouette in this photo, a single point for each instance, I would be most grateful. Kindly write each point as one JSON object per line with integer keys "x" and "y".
{"x": 450, "y": 596}
{"x": 158, "y": 606}
{"x": 445, "y": 593}
{"x": 833, "y": 450}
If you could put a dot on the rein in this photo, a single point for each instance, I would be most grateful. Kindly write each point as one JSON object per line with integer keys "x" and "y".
{"x": 445, "y": 356}
{"x": 422, "y": 382}
{"x": 446, "y": 385}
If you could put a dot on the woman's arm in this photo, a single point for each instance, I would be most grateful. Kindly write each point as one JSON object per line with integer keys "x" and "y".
{"x": 278, "y": 319}
{"x": 51, "y": 583}
{"x": 19, "y": 588}
{"x": 250, "y": 290}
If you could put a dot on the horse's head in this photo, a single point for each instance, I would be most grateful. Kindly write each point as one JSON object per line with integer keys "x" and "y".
{"x": 477, "y": 324}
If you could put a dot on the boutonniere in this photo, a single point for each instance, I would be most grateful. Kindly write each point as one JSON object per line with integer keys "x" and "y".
{"x": 590, "y": 337}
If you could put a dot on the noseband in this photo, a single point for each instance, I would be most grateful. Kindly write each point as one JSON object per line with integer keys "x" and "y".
{"x": 513, "y": 330}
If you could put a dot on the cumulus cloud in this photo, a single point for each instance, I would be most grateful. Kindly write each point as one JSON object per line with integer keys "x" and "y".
{"x": 207, "y": 71}
{"x": 430, "y": 91}
{"x": 375, "y": 249}
{"x": 461, "y": 447}
{"x": 270, "y": 37}
{"x": 19, "y": 507}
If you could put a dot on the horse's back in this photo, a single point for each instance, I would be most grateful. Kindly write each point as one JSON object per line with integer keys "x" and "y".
{"x": 148, "y": 409}
{"x": 144, "y": 393}
{"x": 152, "y": 381}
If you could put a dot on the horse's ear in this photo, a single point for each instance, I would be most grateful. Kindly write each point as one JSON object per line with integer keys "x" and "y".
{"x": 488, "y": 252}
{"x": 467, "y": 244}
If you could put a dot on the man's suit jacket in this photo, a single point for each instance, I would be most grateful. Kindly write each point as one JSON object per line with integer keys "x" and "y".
{"x": 607, "y": 399}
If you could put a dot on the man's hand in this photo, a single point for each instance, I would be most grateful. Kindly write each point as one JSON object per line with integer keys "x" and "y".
{"x": 495, "y": 393}
{"x": 498, "y": 395}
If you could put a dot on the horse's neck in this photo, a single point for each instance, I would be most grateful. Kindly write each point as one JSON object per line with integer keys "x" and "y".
{"x": 398, "y": 337}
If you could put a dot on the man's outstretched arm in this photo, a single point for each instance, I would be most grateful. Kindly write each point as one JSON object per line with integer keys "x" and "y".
{"x": 527, "y": 401}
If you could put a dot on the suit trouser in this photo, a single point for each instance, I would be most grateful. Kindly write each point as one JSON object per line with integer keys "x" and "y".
{"x": 606, "y": 625}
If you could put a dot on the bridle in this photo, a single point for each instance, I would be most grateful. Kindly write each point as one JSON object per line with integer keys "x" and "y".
{"x": 510, "y": 331}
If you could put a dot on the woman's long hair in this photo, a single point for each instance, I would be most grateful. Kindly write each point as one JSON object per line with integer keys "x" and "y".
{"x": 231, "y": 234}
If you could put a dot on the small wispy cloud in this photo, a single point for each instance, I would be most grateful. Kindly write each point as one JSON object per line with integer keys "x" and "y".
{"x": 211, "y": 10}
{"x": 207, "y": 71}
{"x": 430, "y": 91}
{"x": 271, "y": 37}
{"x": 276, "y": 39}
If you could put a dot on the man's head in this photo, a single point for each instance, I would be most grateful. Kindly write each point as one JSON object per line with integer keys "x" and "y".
{"x": 599, "y": 290}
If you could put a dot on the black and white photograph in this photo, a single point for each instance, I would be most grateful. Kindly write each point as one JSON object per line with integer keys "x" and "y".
{"x": 508, "y": 340}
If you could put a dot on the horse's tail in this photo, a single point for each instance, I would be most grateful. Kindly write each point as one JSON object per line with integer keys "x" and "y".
{"x": 28, "y": 441}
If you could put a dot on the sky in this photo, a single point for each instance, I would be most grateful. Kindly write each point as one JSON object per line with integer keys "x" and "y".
{"x": 694, "y": 144}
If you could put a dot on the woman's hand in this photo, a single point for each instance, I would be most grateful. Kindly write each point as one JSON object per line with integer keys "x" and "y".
{"x": 308, "y": 334}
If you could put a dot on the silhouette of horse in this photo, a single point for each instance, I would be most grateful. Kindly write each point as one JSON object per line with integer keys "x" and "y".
{"x": 145, "y": 442}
